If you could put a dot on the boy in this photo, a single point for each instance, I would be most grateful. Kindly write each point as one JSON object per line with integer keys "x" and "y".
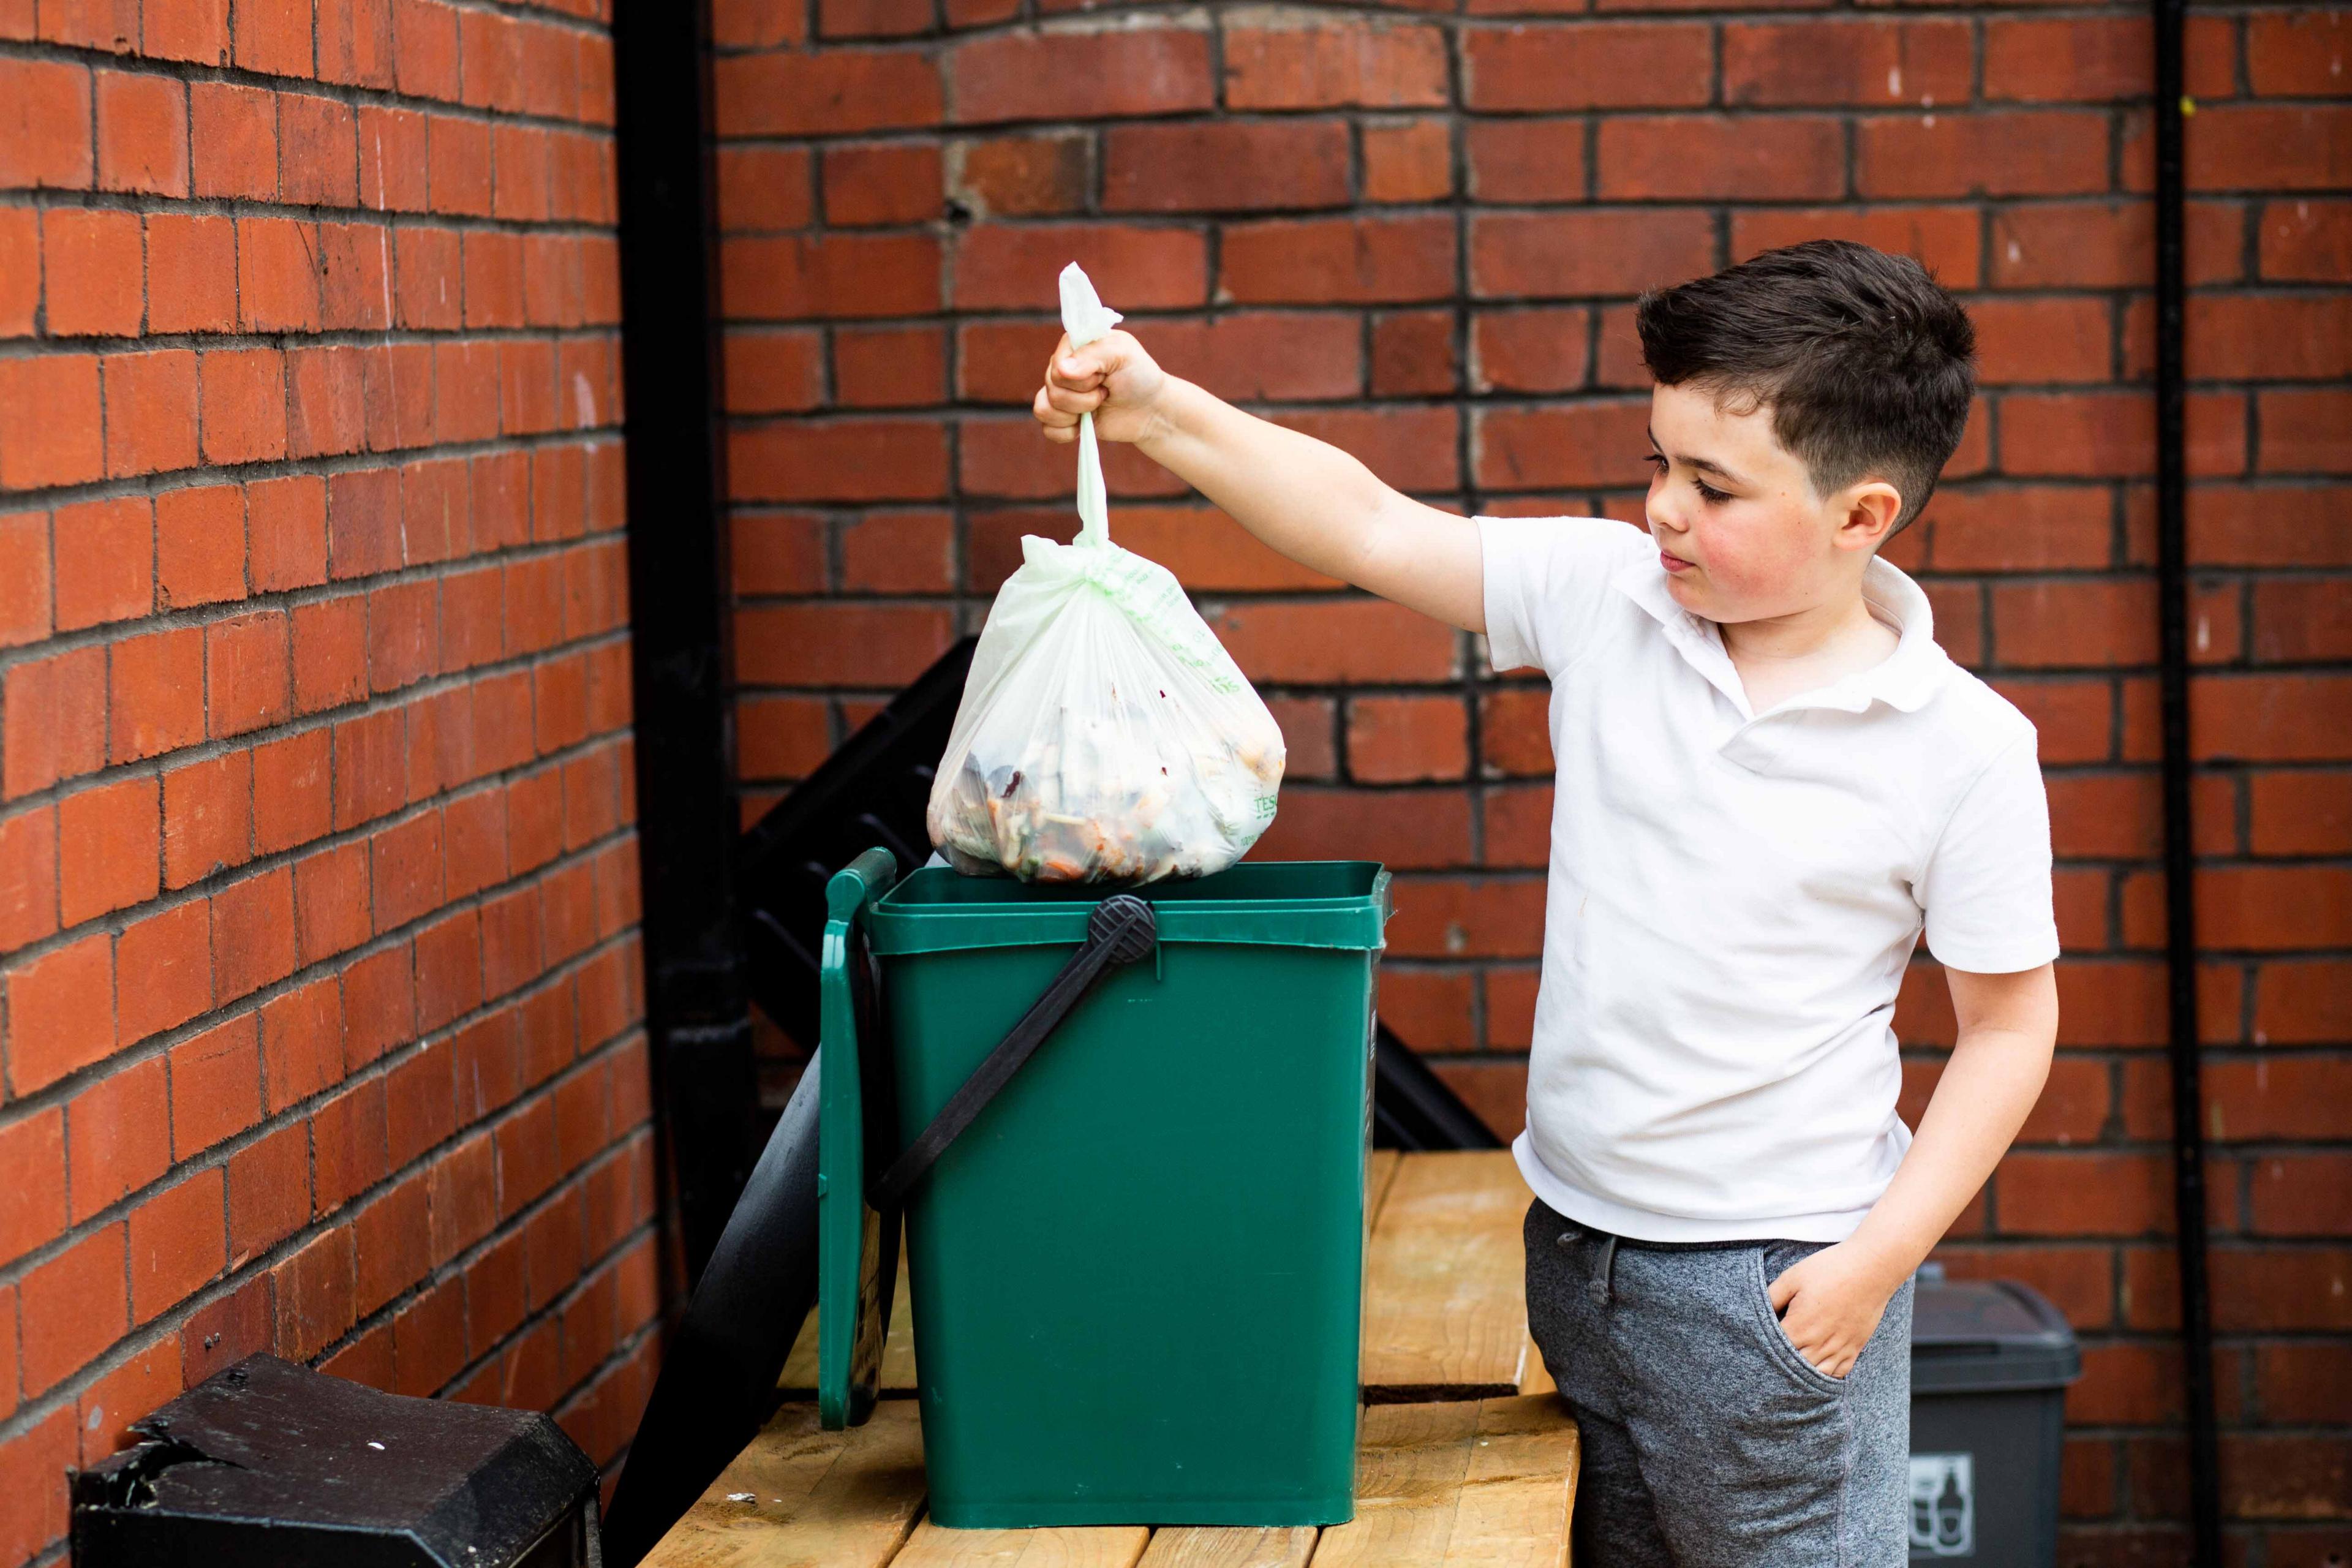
{"x": 1770, "y": 778}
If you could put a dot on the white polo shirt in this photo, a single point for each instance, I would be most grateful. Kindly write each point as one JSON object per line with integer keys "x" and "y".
{"x": 1734, "y": 896}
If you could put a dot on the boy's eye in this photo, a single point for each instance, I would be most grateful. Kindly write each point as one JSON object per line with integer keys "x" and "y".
{"x": 1708, "y": 493}
{"x": 1656, "y": 460}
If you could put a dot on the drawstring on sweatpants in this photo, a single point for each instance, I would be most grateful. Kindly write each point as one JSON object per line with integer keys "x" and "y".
{"x": 1597, "y": 1286}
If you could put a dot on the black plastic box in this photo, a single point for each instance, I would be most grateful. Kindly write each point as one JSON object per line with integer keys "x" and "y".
{"x": 1991, "y": 1359}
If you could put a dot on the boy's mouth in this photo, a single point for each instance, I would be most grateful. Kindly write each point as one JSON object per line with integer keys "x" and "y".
{"x": 1675, "y": 563}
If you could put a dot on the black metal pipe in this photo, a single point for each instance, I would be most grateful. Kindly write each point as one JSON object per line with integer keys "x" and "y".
{"x": 2179, "y": 860}
{"x": 696, "y": 1002}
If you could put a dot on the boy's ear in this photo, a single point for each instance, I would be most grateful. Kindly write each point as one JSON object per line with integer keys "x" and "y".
{"x": 1869, "y": 510}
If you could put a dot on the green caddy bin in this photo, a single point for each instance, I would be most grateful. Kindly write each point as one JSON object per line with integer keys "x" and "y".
{"x": 1138, "y": 1276}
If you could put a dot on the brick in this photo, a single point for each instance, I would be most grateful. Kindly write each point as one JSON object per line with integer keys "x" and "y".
{"x": 2232, "y": 337}
{"x": 74, "y": 1307}
{"x": 1548, "y": 349}
{"x": 838, "y": 644}
{"x": 844, "y": 460}
{"x": 392, "y": 1244}
{"x": 836, "y": 93}
{"x": 1341, "y": 640}
{"x": 764, "y": 188}
{"x": 107, "y": 25}
{"x": 278, "y": 275}
{"x": 49, "y": 422}
{"x": 1527, "y": 160}
{"x": 2043, "y": 341}
{"x": 150, "y": 412}
{"x": 1593, "y": 65}
{"x": 33, "y": 1205}
{"x": 2106, "y": 245}
{"x": 149, "y": 1377}
{"x": 403, "y": 646}
{"x": 247, "y": 672}
{"x": 315, "y": 1289}
{"x": 872, "y": 19}
{"x": 221, "y": 1334}
{"x": 2238, "y": 146}
{"x": 1339, "y": 260}
{"x": 1945, "y": 239}
{"x": 216, "y": 1086}
{"x": 354, "y": 43}
{"x": 35, "y": 1514}
{"x": 318, "y": 150}
{"x": 1089, "y": 75}
{"x": 195, "y": 31}
{"x": 120, "y": 1137}
{"x": 178, "y": 1240}
{"x": 1415, "y": 450}
{"x": 2303, "y": 432}
{"x": 1992, "y": 153}
{"x": 274, "y": 37}
{"x": 243, "y": 393}
{"x": 1560, "y": 255}
{"x": 1650, "y": 157}
{"x": 104, "y": 553}
{"x": 881, "y": 183}
{"x": 775, "y": 372}
{"x": 2281, "y": 717}
{"x": 1875, "y": 63}
{"x": 191, "y": 273}
{"x": 109, "y": 848}
{"x": 2113, "y": 433}
{"x": 143, "y": 134}
{"x": 2305, "y": 241}
{"x": 1296, "y": 61}
{"x": 1229, "y": 166}
{"x": 91, "y": 263}
{"x": 493, "y": 280}
{"x": 2090, "y": 59}
{"x": 1410, "y": 828}
{"x": 1407, "y": 160}
{"x": 253, "y": 933}
{"x": 428, "y": 290}
{"x": 1414, "y": 353}
{"x": 795, "y": 276}
{"x": 1407, "y": 740}
{"x": 20, "y": 271}
{"x": 889, "y": 367}
{"x": 233, "y": 139}
{"x": 1010, "y": 267}
{"x": 155, "y": 694}
{"x": 28, "y": 877}
{"x": 163, "y": 971}
{"x": 67, "y": 695}
{"x": 2300, "y": 814}
{"x": 1543, "y": 448}
{"x": 200, "y": 539}
{"x": 1005, "y": 456}
{"x": 1018, "y": 176}
{"x": 45, "y": 119}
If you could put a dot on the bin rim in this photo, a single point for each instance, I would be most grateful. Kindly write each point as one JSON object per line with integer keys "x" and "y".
{"x": 903, "y": 923}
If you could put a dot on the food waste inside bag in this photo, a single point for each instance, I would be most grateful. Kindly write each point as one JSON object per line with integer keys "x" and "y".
{"x": 1104, "y": 734}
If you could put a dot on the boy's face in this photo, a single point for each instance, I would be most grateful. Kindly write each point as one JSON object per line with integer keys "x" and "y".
{"x": 1741, "y": 532}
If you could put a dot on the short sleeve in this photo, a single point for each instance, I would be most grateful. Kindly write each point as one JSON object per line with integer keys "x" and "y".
{"x": 1547, "y": 581}
{"x": 1987, "y": 888}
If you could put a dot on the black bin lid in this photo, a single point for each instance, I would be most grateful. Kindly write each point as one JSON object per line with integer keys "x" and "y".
{"x": 269, "y": 1464}
{"x": 1980, "y": 1336}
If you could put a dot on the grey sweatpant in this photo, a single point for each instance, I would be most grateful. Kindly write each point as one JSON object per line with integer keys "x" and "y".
{"x": 1708, "y": 1441}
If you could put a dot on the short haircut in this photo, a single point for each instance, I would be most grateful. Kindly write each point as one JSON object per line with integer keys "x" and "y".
{"x": 1866, "y": 362}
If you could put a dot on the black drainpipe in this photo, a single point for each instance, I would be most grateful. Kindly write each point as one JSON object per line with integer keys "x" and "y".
{"x": 2179, "y": 863}
{"x": 698, "y": 1009}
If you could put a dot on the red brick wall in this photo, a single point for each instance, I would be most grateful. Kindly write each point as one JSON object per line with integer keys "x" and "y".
{"x": 317, "y": 886}
{"x": 1417, "y": 232}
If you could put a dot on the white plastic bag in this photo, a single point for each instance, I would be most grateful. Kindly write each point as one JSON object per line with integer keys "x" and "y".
{"x": 1105, "y": 733}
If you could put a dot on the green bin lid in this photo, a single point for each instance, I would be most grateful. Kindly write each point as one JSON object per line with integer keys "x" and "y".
{"x": 1980, "y": 1336}
{"x": 1280, "y": 903}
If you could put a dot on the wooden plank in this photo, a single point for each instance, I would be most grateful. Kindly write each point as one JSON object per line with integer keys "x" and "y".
{"x": 800, "y": 1497}
{"x": 1489, "y": 1485}
{"x": 1107, "y": 1546}
{"x": 1202, "y": 1546}
{"x": 1444, "y": 1293}
{"x": 1534, "y": 1376}
{"x": 1380, "y": 1170}
{"x": 798, "y": 1380}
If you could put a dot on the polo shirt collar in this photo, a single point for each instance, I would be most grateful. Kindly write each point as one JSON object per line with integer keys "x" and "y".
{"x": 1905, "y": 679}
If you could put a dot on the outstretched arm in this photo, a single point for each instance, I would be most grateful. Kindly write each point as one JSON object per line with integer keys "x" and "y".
{"x": 1301, "y": 497}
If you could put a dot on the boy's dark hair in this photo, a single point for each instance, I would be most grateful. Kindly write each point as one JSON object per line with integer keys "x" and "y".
{"x": 1867, "y": 361}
